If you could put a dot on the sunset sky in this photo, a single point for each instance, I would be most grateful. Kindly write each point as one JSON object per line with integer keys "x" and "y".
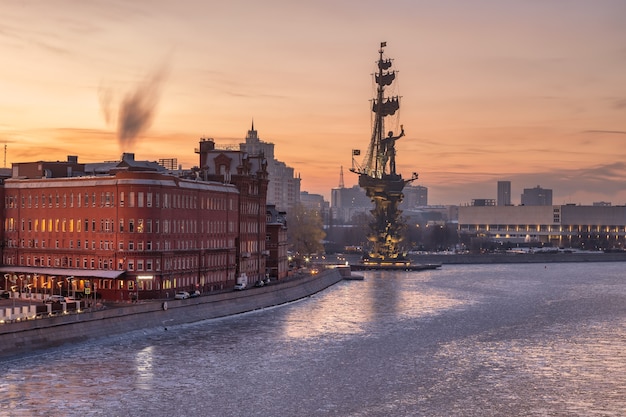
{"x": 528, "y": 91}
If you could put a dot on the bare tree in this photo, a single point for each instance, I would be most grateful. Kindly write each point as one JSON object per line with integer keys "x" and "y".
{"x": 305, "y": 230}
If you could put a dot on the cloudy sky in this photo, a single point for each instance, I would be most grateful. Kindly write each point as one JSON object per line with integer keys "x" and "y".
{"x": 528, "y": 91}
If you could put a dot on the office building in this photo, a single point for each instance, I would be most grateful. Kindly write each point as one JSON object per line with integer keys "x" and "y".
{"x": 414, "y": 196}
{"x": 348, "y": 202}
{"x": 590, "y": 227}
{"x": 537, "y": 197}
{"x": 284, "y": 186}
{"x": 504, "y": 193}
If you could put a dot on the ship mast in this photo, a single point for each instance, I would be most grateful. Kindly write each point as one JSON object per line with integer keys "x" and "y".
{"x": 380, "y": 158}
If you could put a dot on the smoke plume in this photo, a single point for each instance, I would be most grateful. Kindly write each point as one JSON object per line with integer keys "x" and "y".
{"x": 136, "y": 108}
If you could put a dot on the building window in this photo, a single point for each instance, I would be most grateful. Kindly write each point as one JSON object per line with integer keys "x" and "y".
{"x": 131, "y": 265}
{"x": 122, "y": 199}
{"x": 131, "y": 245}
{"x": 131, "y": 225}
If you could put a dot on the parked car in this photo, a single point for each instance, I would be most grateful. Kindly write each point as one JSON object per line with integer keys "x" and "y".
{"x": 181, "y": 295}
{"x": 54, "y": 299}
{"x": 5, "y": 294}
{"x": 259, "y": 283}
{"x": 194, "y": 294}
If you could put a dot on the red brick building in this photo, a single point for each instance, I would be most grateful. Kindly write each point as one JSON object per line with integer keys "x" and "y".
{"x": 133, "y": 229}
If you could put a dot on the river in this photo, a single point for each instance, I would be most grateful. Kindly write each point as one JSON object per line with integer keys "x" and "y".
{"x": 464, "y": 340}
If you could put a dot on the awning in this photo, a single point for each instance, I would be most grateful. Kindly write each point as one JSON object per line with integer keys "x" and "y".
{"x": 89, "y": 273}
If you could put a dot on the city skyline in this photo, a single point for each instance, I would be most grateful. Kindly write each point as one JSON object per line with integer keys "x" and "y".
{"x": 532, "y": 93}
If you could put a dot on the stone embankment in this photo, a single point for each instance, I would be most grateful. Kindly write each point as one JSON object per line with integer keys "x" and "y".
{"x": 537, "y": 257}
{"x": 25, "y": 336}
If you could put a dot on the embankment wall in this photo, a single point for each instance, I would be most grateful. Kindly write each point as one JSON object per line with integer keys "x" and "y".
{"x": 518, "y": 258}
{"x": 26, "y": 336}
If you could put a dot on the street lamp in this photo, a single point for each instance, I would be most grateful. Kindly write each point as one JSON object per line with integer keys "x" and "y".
{"x": 21, "y": 285}
{"x": 13, "y": 280}
{"x": 50, "y": 283}
{"x": 70, "y": 281}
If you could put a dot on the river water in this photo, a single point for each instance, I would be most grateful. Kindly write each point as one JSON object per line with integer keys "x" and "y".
{"x": 465, "y": 340}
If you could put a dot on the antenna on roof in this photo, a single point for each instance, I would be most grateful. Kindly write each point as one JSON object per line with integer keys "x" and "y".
{"x": 341, "y": 185}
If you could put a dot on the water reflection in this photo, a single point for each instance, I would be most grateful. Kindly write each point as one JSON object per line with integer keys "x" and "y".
{"x": 143, "y": 367}
{"x": 464, "y": 340}
{"x": 382, "y": 297}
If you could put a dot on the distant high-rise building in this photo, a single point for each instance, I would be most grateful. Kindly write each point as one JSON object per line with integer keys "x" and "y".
{"x": 284, "y": 187}
{"x": 414, "y": 196}
{"x": 504, "y": 193}
{"x": 315, "y": 202}
{"x": 346, "y": 202}
{"x": 601, "y": 204}
{"x": 537, "y": 197}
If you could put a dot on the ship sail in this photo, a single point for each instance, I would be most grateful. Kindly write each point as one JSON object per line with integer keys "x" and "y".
{"x": 385, "y": 78}
{"x": 384, "y": 64}
{"x": 388, "y": 108}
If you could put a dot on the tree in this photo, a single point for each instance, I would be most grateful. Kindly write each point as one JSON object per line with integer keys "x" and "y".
{"x": 305, "y": 230}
